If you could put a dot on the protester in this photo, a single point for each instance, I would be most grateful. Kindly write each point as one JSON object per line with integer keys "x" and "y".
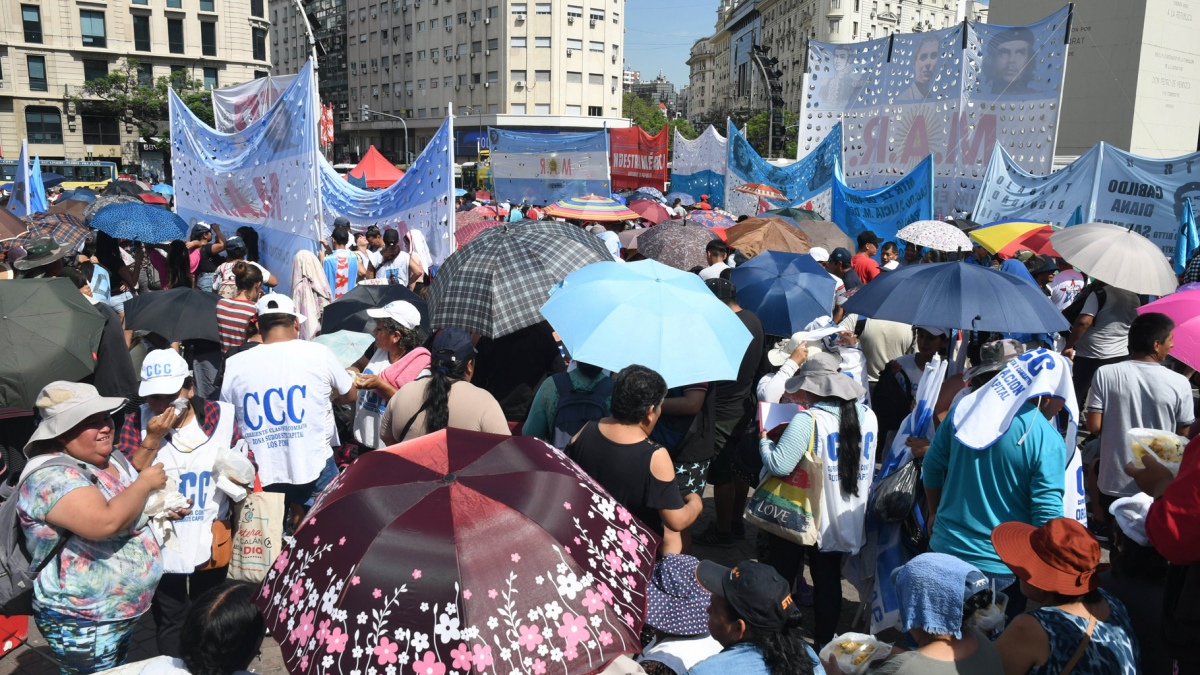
{"x": 1138, "y": 578}
{"x": 821, "y": 256}
{"x": 1078, "y": 627}
{"x": 222, "y": 634}
{"x": 342, "y": 268}
{"x": 838, "y": 433}
{"x": 703, "y": 204}
{"x": 85, "y": 516}
{"x": 282, "y": 392}
{"x": 43, "y": 259}
{"x": 1043, "y": 270}
{"x": 446, "y": 398}
{"x": 1066, "y": 285}
{"x": 179, "y": 274}
{"x": 249, "y": 235}
{"x": 839, "y": 265}
{"x": 418, "y": 248}
{"x": 677, "y": 209}
{"x": 753, "y": 616}
{"x": 566, "y": 401}
{"x": 395, "y": 359}
{"x": 883, "y": 342}
{"x": 716, "y": 252}
{"x": 1099, "y": 335}
{"x": 205, "y": 247}
{"x": 912, "y": 255}
{"x": 890, "y": 255}
{"x": 111, "y": 258}
{"x": 235, "y": 313}
{"x": 863, "y": 261}
{"x": 310, "y": 292}
{"x": 235, "y": 251}
{"x": 397, "y": 265}
{"x": 186, "y": 442}
{"x": 98, "y": 277}
{"x": 617, "y": 452}
{"x": 677, "y": 613}
{"x": 909, "y": 369}
{"x": 512, "y": 366}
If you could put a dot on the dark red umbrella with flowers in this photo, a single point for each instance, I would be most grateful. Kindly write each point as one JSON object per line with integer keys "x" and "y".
{"x": 461, "y": 551}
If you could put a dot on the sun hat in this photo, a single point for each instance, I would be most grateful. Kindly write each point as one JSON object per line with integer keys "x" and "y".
{"x": 277, "y": 303}
{"x": 820, "y": 376}
{"x": 813, "y": 334}
{"x": 1059, "y": 557}
{"x": 676, "y": 603}
{"x": 41, "y": 251}
{"x": 1130, "y": 514}
{"x": 400, "y": 311}
{"x": 819, "y": 254}
{"x": 994, "y": 355}
{"x": 784, "y": 348}
{"x": 163, "y": 372}
{"x": 62, "y": 405}
{"x": 755, "y": 591}
{"x": 1042, "y": 265}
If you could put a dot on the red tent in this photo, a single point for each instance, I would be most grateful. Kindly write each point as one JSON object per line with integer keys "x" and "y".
{"x": 374, "y": 167}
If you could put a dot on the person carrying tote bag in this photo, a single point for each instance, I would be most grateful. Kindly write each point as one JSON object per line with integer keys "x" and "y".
{"x": 829, "y": 449}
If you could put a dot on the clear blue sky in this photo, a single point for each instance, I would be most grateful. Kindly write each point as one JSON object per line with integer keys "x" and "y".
{"x": 659, "y": 33}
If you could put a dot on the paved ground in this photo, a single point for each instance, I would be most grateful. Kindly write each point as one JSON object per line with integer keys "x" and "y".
{"x": 24, "y": 661}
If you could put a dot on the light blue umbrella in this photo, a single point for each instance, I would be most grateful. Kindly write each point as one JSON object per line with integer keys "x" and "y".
{"x": 683, "y": 197}
{"x": 612, "y": 315}
{"x": 163, "y": 189}
{"x": 459, "y": 192}
{"x": 347, "y": 345}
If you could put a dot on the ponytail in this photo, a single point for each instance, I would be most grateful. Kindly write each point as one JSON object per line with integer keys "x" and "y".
{"x": 849, "y": 445}
{"x": 246, "y": 276}
{"x": 442, "y": 374}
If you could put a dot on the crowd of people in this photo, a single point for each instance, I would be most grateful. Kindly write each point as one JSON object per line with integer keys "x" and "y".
{"x": 1000, "y": 576}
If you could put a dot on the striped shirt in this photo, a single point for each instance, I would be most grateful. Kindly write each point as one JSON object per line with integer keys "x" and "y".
{"x": 232, "y": 317}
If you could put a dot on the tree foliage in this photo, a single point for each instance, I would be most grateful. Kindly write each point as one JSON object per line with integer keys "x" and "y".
{"x": 756, "y": 125}
{"x": 646, "y": 114}
{"x": 121, "y": 94}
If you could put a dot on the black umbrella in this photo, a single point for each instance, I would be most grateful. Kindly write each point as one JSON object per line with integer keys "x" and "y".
{"x": 963, "y": 224}
{"x": 50, "y": 332}
{"x": 349, "y": 312}
{"x": 123, "y": 187}
{"x": 177, "y": 314}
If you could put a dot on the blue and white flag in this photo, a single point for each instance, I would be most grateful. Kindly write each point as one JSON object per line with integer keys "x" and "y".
{"x": 1188, "y": 239}
{"x": 543, "y": 168}
{"x": 885, "y": 210}
{"x": 801, "y": 181}
{"x": 698, "y": 166}
{"x": 29, "y": 195}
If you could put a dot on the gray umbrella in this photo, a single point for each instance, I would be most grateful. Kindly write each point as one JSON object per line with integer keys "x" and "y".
{"x": 496, "y": 284}
{"x": 1117, "y": 256}
{"x": 106, "y": 200}
{"x": 825, "y": 234}
{"x": 678, "y": 243}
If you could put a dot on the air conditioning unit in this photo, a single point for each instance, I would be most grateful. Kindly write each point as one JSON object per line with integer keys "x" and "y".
{"x": 434, "y": 58}
{"x": 486, "y": 85}
{"x": 520, "y": 84}
{"x": 487, "y": 52}
{"x": 417, "y": 5}
{"x": 569, "y": 52}
{"x": 614, "y": 89}
{"x": 614, "y": 59}
{"x": 471, "y": 25}
{"x": 520, "y": 18}
{"x": 472, "y": 54}
{"x": 593, "y": 23}
{"x": 471, "y": 87}
{"x": 386, "y": 67}
{"x": 570, "y": 21}
{"x": 457, "y": 87}
{"x": 374, "y": 69}
{"x": 404, "y": 8}
{"x": 486, "y": 21}
{"x": 449, "y": 28}
{"x": 457, "y": 57}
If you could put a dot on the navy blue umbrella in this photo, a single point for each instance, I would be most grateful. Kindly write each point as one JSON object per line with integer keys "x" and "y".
{"x": 79, "y": 195}
{"x": 958, "y": 295}
{"x": 139, "y": 222}
{"x": 51, "y": 179}
{"x": 786, "y": 290}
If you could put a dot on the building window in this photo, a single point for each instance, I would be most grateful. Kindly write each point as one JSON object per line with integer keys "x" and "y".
{"x": 541, "y": 108}
{"x": 141, "y": 32}
{"x": 92, "y": 25}
{"x": 139, "y": 2}
{"x": 174, "y": 4}
{"x": 519, "y": 8}
{"x": 94, "y": 69}
{"x": 462, "y": 48}
{"x": 474, "y": 15}
{"x": 99, "y": 130}
{"x": 493, "y": 109}
{"x": 447, "y": 51}
{"x": 574, "y": 44}
{"x": 210, "y": 79}
{"x": 575, "y": 11}
{"x": 420, "y": 85}
{"x": 519, "y": 42}
{"x": 260, "y": 44}
{"x": 596, "y": 14}
{"x": 493, "y": 43}
{"x": 476, "y": 47}
{"x": 145, "y": 74}
{"x": 207, "y": 6}
{"x": 421, "y": 55}
{"x": 31, "y": 17}
{"x": 433, "y": 83}
{"x": 541, "y": 76}
{"x": 595, "y": 46}
{"x": 574, "y": 110}
{"x": 541, "y": 42}
{"x": 208, "y": 38}
{"x": 175, "y": 35}
{"x": 596, "y": 78}
{"x": 516, "y": 108}
{"x": 835, "y": 25}
{"x": 462, "y": 18}
{"x": 421, "y": 113}
{"x": 448, "y": 81}
{"x": 37, "y": 73}
{"x": 517, "y": 75}
{"x": 616, "y": 18}
{"x": 260, "y": 74}
{"x": 595, "y": 111}
{"x": 256, "y": 8}
{"x": 541, "y": 8}
{"x": 43, "y": 125}
{"x": 574, "y": 78}
{"x": 462, "y": 79}
{"x": 493, "y": 11}
{"x": 420, "y": 26}
{"x": 476, "y": 78}
{"x": 493, "y": 76}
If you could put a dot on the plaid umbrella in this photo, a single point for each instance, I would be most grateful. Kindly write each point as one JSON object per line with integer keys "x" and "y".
{"x": 72, "y": 207}
{"x": 713, "y": 218}
{"x": 139, "y": 222}
{"x": 761, "y": 190}
{"x": 496, "y": 284}
{"x": 677, "y": 243}
{"x": 463, "y": 234}
{"x": 65, "y": 229}
{"x": 107, "y": 200}
{"x": 591, "y": 207}
{"x": 755, "y": 235}
{"x": 651, "y": 211}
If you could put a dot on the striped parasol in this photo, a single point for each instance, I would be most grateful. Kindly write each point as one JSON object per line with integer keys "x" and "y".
{"x": 591, "y": 207}
{"x": 761, "y": 190}
{"x": 1005, "y": 238}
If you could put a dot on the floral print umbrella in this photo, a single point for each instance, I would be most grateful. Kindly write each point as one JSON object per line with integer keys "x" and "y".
{"x": 713, "y": 218}
{"x": 935, "y": 234}
{"x": 461, "y": 552}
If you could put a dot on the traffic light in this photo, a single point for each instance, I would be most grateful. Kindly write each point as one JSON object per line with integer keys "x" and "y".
{"x": 365, "y": 115}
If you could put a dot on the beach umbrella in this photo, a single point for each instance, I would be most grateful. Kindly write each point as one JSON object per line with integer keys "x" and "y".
{"x": 50, "y": 332}
{"x": 461, "y": 552}
{"x": 683, "y": 197}
{"x": 678, "y": 243}
{"x": 651, "y": 211}
{"x": 1184, "y": 309}
{"x": 761, "y": 190}
{"x": 614, "y": 314}
{"x": 785, "y": 290}
{"x": 755, "y": 235}
{"x": 956, "y": 295}
{"x": 1004, "y": 239}
{"x": 591, "y": 207}
{"x": 793, "y": 213}
{"x": 175, "y": 314}
{"x": 825, "y": 234}
{"x": 463, "y": 234}
{"x": 107, "y": 200}
{"x": 1117, "y": 256}
{"x": 349, "y": 312}
{"x": 935, "y": 234}
{"x": 63, "y": 228}
{"x": 495, "y": 284}
{"x": 163, "y": 189}
{"x": 139, "y": 222}
{"x": 713, "y": 218}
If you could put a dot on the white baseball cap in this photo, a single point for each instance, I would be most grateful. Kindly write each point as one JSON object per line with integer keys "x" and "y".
{"x": 400, "y": 311}
{"x": 277, "y": 303}
{"x": 819, "y": 254}
{"x": 163, "y": 372}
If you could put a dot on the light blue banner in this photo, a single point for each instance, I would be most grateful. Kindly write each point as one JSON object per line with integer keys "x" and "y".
{"x": 542, "y": 168}
{"x": 698, "y": 166}
{"x": 885, "y": 210}
{"x": 801, "y": 181}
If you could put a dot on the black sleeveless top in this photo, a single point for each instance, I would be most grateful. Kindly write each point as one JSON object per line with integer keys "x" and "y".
{"x": 624, "y": 470}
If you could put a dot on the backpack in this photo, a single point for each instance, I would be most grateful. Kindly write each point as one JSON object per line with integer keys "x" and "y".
{"x": 577, "y": 408}
{"x": 1072, "y": 311}
{"x": 16, "y": 574}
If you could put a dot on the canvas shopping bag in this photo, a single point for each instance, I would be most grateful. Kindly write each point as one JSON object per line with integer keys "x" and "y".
{"x": 258, "y": 534}
{"x": 789, "y": 507}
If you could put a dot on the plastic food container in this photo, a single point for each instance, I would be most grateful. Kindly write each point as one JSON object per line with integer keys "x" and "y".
{"x": 855, "y": 652}
{"x": 1166, "y": 446}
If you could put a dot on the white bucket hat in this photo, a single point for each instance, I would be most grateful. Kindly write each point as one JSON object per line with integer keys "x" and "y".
{"x": 62, "y": 405}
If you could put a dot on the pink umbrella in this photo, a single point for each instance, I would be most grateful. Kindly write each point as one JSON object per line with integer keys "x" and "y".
{"x": 465, "y": 233}
{"x": 651, "y": 211}
{"x": 1184, "y": 309}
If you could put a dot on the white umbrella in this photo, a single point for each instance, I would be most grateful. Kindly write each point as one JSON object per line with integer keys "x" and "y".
{"x": 935, "y": 234}
{"x": 1117, "y": 256}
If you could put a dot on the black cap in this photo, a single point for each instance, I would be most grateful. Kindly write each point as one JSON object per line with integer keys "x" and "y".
{"x": 452, "y": 345}
{"x": 755, "y": 591}
{"x": 235, "y": 243}
{"x": 840, "y": 255}
{"x": 868, "y": 237}
{"x": 723, "y": 289}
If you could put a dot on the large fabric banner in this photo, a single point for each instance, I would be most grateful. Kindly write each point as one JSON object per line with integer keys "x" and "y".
{"x": 952, "y": 93}
{"x": 545, "y": 168}
{"x": 234, "y": 108}
{"x": 1108, "y": 184}
{"x": 698, "y": 166}
{"x": 801, "y": 181}
{"x": 885, "y": 210}
{"x": 638, "y": 159}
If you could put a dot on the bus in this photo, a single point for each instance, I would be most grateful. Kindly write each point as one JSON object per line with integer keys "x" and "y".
{"x": 93, "y": 175}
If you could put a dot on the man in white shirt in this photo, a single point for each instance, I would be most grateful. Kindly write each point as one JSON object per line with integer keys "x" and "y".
{"x": 677, "y": 209}
{"x": 284, "y": 392}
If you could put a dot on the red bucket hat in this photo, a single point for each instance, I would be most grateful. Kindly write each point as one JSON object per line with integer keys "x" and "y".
{"x": 1060, "y": 556}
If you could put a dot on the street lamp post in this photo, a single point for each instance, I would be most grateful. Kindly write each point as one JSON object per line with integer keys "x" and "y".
{"x": 395, "y": 117}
